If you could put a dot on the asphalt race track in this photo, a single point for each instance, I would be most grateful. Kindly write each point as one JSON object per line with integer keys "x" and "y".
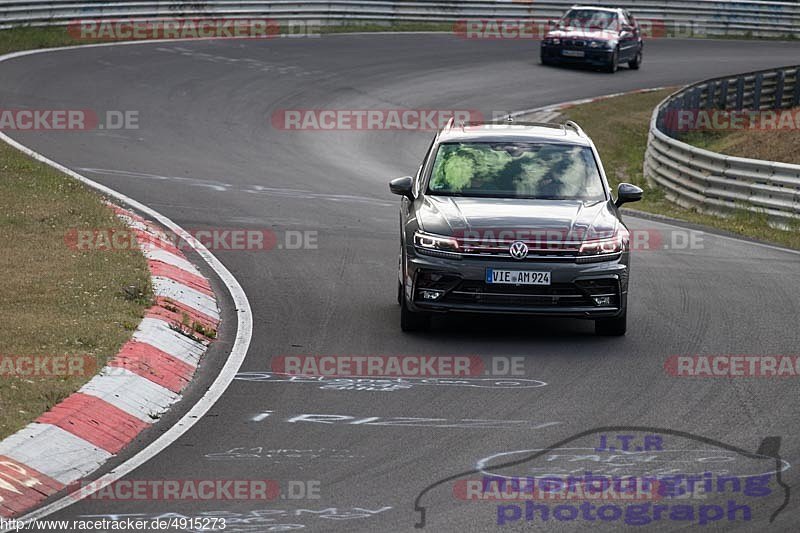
{"x": 207, "y": 156}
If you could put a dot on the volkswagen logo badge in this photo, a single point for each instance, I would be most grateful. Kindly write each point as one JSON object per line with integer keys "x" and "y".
{"x": 518, "y": 250}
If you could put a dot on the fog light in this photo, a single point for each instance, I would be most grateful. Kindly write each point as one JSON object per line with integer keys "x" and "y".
{"x": 430, "y": 294}
{"x": 602, "y": 300}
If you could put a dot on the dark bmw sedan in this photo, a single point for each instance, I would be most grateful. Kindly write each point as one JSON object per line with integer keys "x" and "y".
{"x": 514, "y": 219}
{"x": 596, "y": 36}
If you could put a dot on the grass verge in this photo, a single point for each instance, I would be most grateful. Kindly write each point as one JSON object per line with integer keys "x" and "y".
{"x": 55, "y": 300}
{"x": 771, "y": 145}
{"x": 619, "y": 128}
{"x": 28, "y": 38}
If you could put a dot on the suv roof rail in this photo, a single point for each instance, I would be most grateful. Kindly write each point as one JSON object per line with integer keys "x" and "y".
{"x": 571, "y": 124}
{"x": 506, "y": 122}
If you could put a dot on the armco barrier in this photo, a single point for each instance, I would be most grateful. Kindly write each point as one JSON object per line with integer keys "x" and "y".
{"x": 682, "y": 17}
{"x": 718, "y": 183}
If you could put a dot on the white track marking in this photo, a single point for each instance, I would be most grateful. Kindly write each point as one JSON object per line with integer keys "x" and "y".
{"x": 137, "y": 396}
{"x": 54, "y": 452}
{"x": 169, "y": 288}
{"x": 244, "y": 317}
{"x": 157, "y": 333}
{"x": 159, "y": 254}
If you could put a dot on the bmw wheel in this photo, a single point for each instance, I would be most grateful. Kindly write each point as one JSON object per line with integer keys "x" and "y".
{"x": 613, "y": 65}
{"x": 636, "y": 62}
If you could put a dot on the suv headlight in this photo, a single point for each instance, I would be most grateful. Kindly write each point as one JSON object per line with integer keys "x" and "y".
{"x": 614, "y": 245}
{"x": 435, "y": 242}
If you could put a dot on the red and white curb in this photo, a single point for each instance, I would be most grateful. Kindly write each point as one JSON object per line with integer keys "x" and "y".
{"x": 130, "y": 393}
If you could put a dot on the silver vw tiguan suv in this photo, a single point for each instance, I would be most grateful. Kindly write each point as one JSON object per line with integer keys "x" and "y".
{"x": 513, "y": 218}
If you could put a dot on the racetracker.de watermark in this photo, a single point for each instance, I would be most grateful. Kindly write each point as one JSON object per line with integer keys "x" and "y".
{"x": 47, "y": 366}
{"x": 538, "y": 28}
{"x": 370, "y": 119}
{"x": 197, "y": 490}
{"x": 67, "y": 120}
{"x": 191, "y": 28}
{"x": 733, "y": 366}
{"x": 686, "y": 120}
{"x": 585, "y": 487}
{"x": 216, "y": 239}
{"x": 171, "y": 523}
{"x": 549, "y": 239}
{"x": 398, "y": 366}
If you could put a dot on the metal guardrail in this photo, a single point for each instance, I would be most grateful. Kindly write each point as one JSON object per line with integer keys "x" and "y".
{"x": 717, "y": 183}
{"x": 682, "y": 17}
{"x": 691, "y": 176}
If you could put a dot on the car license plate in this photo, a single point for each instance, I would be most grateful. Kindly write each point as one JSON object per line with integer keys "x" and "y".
{"x": 572, "y": 53}
{"x": 517, "y": 277}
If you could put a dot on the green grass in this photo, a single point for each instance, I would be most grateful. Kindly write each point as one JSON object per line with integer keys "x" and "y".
{"x": 619, "y": 128}
{"x": 771, "y": 145}
{"x": 57, "y": 300}
{"x": 28, "y": 38}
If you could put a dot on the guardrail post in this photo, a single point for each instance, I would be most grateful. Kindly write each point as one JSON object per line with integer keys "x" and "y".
{"x": 696, "y": 97}
{"x": 671, "y": 119}
{"x": 778, "y": 102}
{"x": 757, "y": 91}
{"x": 739, "y": 93}
{"x": 723, "y": 95}
{"x": 711, "y": 90}
{"x": 796, "y": 95}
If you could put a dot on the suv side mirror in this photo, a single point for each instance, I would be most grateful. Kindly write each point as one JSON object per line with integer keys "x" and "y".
{"x": 628, "y": 193}
{"x": 403, "y": 186}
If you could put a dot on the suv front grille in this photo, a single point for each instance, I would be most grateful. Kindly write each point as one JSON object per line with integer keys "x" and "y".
{"x": 537, "y": 250}
{"x": 567, "y": 251}
{"x": 578, "y": 294}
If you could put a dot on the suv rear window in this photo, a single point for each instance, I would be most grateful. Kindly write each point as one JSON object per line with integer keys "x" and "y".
{"x": 546, "y": 171}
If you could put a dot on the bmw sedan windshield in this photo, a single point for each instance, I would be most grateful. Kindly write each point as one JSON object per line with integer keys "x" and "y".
{"x": 542, "y": 171}
{"x": 589, "y": 18}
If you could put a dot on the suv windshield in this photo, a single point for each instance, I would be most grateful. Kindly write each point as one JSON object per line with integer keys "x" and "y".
{"x": 589, "y": 19}
{"x": 516, "y": 170}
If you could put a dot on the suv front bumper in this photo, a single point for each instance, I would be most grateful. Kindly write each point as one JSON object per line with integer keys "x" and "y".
{"x": 461, "y": 287}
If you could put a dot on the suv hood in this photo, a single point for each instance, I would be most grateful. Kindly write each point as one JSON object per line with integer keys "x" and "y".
{"x": 571, "y": 219}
